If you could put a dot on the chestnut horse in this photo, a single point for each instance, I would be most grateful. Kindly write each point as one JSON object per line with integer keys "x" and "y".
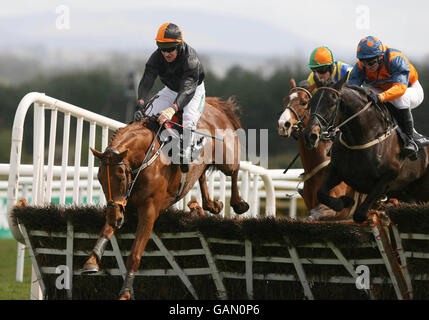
{"x": 366, "y": 154}
{"x": 292, "y": 122}
{"x": 159, "y": 182}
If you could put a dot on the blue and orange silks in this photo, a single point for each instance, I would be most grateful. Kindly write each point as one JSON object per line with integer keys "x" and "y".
{"x": 393, "y": 76}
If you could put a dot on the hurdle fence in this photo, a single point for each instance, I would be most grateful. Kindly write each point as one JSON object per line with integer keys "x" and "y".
{"x": 43, "y": 180}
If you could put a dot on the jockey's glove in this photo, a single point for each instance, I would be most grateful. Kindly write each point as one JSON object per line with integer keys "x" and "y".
{"x": 138, "y": 114}
{"x": 166, "y": 114}
{"x": 375, "y": 98}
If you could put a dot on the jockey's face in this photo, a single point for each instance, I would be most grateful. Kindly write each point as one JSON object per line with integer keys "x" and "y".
{"x": 170, "y": 56}
{"x": 371, "y": 64}
{"x": 322, "y": 73}
{"x": 323, "y": 77}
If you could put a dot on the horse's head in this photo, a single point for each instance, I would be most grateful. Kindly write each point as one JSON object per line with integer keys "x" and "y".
{"x": 114, "y": 176}
{"x": 324, "y": 107}
{"x": 295, "y": 110}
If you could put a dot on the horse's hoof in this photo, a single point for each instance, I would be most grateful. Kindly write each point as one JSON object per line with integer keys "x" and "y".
{"x": 90, "y": 268}
{"x": 215, "y": 208}
{"x": 240, "y": 207}
{"x": 126, "y": 295}
{"x": 195, "y": 208}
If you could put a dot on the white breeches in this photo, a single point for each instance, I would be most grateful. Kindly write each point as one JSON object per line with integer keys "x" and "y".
{"x": 191, "y": 112}
{"x": 412, "y": 97}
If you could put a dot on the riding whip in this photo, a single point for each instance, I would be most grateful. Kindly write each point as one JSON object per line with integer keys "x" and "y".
{"x": 292, "y": 162}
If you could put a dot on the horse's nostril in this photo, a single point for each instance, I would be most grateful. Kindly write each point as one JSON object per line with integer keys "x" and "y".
{"x": 313, "y": 137}
{"x": 287, "y": 125}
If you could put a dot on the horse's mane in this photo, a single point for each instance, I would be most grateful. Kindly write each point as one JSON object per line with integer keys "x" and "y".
{"x": 229, "y": 107}
{"x": 123, "y": 130}
{"x": 304, "y": 84}
{"x": 360, "y": 89}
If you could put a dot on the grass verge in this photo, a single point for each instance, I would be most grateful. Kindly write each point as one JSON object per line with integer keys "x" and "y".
{"x": 10, "y": 289}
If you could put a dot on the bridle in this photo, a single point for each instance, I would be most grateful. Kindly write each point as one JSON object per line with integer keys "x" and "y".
{"x": 121, "y": 204}
{"x": 327, "y": 126}
{"x": 330, "y": 129}
{"x": 299, "y": 126}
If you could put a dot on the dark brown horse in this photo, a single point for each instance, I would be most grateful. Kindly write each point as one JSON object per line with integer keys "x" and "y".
{"x": 292, "y": 122}
{"x": 366, "y": 153}
{"x": 160, "y": 183}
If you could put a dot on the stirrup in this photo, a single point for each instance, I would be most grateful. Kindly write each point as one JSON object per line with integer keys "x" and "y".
{"x": 411, "y": 153}
{"x": 184, "y": 167}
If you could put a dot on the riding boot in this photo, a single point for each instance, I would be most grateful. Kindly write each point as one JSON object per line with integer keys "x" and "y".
{"x": 186, "y": 151}
{"x": 407, "y": 126}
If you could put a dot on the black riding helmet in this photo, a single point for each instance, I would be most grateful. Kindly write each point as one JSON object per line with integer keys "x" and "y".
{"x": 169, "y": 36}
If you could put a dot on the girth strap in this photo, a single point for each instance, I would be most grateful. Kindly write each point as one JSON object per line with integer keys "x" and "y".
{"x": 369, "y": 144}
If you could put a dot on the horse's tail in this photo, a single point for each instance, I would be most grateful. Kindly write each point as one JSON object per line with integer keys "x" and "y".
{"x": 229, "y": 107}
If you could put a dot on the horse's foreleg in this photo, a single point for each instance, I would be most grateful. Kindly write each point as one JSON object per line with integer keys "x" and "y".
{"x": 208, "y": 204}
{"x": 377, "y": 191}
{"x": 92, "y": 264}
{"x": 331, "y": 180}
{"x": 239, "y": 205}
{"x": 147, "y": 214}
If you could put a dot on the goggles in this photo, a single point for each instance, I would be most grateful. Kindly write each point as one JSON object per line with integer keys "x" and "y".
{"x": 322, "y": 69}
{"x": 369, "y": 62}
{"x": 168, "y": 49}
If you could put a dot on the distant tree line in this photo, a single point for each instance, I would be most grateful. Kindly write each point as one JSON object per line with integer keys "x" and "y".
{"x": 105, "y": 92}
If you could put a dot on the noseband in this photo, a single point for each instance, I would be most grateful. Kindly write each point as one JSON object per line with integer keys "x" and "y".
{"x": 121, "y": 204}
{"x": 300, "y": 124}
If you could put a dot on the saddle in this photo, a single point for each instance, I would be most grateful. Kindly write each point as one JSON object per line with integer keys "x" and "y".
{"x": 174, "y": 132}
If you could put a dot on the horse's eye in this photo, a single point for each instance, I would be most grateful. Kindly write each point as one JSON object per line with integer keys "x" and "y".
{"x": 304, "y": 103}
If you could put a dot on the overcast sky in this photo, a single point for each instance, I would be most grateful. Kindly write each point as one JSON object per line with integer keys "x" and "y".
{"x": 264, "y": 28}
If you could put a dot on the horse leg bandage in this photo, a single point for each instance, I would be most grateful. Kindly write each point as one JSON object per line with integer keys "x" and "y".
{"x": 128, "y": 284}
{"x": 99, "y": 248}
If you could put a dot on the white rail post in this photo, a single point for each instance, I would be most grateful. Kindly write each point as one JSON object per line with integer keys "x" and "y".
{"x": 20, "y": 262}
{"x": 64, "y": 159}
{"x": 292, "y": 207}
{"x": 92, "y": 130}
{"x": 38, "y": 154}
{"x": 21, "y": 247}
{"x": 77, "y": 157}
{"x": 51, "y": 155}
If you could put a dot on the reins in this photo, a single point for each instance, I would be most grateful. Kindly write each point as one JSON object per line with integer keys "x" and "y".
{"x": 146, "y": 163}
{"x": 122, "y": 203}
{"x": 333, "y": 129}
